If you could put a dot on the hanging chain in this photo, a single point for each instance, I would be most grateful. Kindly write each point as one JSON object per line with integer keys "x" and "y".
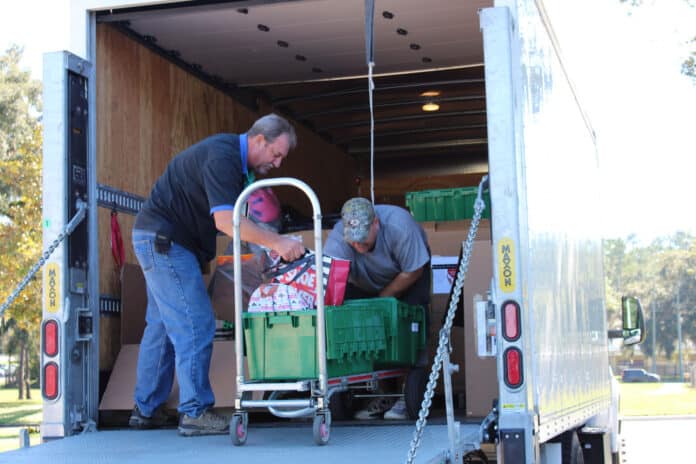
{"x": 444, "y": 336}
{"x": 67, "y": 230}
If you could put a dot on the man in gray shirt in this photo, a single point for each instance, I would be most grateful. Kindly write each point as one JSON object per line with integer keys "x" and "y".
{"x": 389, "y": 256}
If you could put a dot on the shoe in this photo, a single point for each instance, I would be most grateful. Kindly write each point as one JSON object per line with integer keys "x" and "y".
{"x": 375, "y": 409}
{"x": 140, "y": 421}
{"x": 207, "y": 423}
{"x": 398, "y": 411}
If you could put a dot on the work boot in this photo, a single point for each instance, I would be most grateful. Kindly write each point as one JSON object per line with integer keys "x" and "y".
{"x": 158, "y": 419}
{"x": 207, "y": 423}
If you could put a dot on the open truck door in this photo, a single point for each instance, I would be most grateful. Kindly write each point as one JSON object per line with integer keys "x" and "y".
{"x": 70, "y": 326}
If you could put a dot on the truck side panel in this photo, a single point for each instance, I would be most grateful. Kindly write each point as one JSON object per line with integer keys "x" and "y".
{"x": 556, "y": 174}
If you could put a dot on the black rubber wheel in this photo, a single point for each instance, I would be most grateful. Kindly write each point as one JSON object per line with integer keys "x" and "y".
{"x": 238, "y": 429}
{"x": 341, "y": 406}
{"x": 571, "y": 451}
{"x": 414, "y": 390}
{"x": 475, "y": 457}
{"x": 321, "y": 428}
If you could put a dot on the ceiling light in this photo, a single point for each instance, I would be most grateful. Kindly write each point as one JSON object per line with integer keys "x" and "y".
{"x": 430, "y": 93}
{"x": 430, "y": 106}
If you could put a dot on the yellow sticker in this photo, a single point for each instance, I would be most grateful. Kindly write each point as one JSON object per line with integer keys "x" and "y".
{"x": 52, "y": 288}
{"x": 513, "y": 407}
{"x": 506, "y": 265}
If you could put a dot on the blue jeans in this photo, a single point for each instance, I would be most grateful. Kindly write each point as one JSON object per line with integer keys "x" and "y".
{"x": 179, "y": 332}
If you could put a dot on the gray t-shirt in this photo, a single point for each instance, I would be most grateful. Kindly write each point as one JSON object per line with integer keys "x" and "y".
{"x": 401, "y": 246}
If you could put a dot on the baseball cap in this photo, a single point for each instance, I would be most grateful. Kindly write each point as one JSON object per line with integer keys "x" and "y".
{"x": 358, "y": 215}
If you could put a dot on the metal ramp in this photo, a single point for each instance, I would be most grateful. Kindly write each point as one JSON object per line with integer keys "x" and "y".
{"x": 290, "y": 442}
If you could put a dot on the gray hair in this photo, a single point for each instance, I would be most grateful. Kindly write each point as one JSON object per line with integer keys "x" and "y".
{"x": 273, "y": 126}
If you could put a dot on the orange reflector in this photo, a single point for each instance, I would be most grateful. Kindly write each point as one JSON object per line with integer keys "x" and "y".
{"x": 50, "y": 381}
{"x": 50, "y": 337}
{"x": 513, "y": 367}
{"x": 511, "y": 321}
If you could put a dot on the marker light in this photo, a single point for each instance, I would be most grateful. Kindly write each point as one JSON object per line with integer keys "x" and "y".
{"x": 50, "y": 338}
{"x": 511, "y": 321}
{"x": 50, "y": 381}
{"x": 513, "y": 367}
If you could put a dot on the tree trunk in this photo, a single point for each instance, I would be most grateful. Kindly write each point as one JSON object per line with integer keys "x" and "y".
{"x": 27, "y": 372}
{"x": 20, "y": 369}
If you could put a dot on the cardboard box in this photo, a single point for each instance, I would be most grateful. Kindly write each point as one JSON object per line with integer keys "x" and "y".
{"x": 119, "y": 390}
{"x": 477, "y": 378}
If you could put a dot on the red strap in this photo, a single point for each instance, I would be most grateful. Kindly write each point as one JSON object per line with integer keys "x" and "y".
{"x": 117, "y": 250}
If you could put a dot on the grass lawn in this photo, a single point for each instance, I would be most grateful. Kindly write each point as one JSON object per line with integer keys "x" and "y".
{"x": 21, "y": 414}
{"x": 657, "y": 399}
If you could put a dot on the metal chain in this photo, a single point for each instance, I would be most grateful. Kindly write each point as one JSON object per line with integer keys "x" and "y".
{"x": 67, "y": 230}
{"x": 444, "y": 335}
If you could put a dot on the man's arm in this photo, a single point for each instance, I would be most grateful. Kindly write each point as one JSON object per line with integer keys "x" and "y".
{"x": 286, "y": 247}
{"x": 401, "y": 283}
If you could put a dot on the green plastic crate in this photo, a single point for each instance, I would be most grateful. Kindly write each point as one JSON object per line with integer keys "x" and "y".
{"x": 283, "y": 345}
{"x": 405, "y": 329}
{"x": 446, "y": 204}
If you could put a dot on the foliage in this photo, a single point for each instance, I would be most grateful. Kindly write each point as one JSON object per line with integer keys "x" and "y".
{"x": 688, "y": 67}
{"x": 20, "y": 205}
{"x": 663, "y": 275}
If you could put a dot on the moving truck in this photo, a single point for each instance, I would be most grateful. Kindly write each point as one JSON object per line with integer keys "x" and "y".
{"x": 458, "y": 90}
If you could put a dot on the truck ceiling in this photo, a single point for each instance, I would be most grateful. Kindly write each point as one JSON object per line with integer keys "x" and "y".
{"x": 307, "y": 58}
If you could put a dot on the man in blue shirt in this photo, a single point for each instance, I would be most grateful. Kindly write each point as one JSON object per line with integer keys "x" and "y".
{"x": 173, "y": 236}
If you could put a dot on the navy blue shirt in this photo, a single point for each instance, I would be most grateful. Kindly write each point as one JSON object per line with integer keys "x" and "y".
{"x": 205, "y": 178}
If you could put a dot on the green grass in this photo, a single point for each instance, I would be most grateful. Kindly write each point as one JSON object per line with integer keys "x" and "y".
{"x": 657, "y": 399}
{"x": 23, "y": 414}
{"x": 16, "y": 412}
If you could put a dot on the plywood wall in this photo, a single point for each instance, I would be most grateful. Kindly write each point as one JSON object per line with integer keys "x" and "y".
{"x": 149, "y": 109}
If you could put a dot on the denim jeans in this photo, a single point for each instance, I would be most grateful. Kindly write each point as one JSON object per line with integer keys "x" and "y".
{"x": 179, "y": 331}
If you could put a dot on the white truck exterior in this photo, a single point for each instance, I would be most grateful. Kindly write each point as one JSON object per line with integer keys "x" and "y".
{"x": 547, "y": 287}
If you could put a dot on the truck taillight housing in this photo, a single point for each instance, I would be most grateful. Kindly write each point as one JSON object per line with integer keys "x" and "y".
{"x": 50, "y": 381}
{"x": 50, "y": 338}
{"x": 511, "y": 321}
{"x": 512, "y": 360}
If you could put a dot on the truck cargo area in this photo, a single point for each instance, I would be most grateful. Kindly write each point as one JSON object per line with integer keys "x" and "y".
{"x": 306, "y": 60}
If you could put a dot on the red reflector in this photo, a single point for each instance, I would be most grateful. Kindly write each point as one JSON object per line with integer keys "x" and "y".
{"x": 50, "y": 381}
{"x": 50, "y": 337}
{"x": 513, "y": 367}
{"x": 511, "y": 317}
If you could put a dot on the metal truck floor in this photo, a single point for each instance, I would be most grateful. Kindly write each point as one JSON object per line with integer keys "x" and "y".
{"x": 287, "y": 443}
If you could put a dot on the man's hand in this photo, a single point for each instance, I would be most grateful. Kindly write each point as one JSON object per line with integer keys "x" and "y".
{"x": 288, "y": 248}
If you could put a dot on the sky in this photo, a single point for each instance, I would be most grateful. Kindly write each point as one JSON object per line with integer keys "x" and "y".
{"x": 625, "y": 62}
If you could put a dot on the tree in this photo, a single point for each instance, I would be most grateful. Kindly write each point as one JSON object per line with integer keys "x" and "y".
{"x": 20, "y": 205}
{"x": 688, "y": 67}
{"x": 662, "y": 274}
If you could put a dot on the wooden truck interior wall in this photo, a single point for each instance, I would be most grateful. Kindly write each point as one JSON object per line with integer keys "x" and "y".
{"x": 148, "y": 110}
{"x": 150, "y": 106}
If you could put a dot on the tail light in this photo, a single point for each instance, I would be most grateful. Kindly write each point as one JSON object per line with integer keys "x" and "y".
{"x": 50, "y": 338}
{"x": 50, "y": 381}
{"x": 511, "y": 321}
{"x": 513, "y": 367}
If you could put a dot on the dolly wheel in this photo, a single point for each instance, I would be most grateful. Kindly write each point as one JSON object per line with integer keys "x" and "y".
{"x": 414, "y": 389}
{"x": 322, "y": 428}
{"x": 238, "y": 429}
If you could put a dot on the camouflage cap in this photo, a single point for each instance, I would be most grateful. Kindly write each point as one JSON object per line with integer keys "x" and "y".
{"x": 358, "y": 215}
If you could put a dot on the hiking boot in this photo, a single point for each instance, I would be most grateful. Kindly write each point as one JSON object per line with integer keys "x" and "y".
{"x": 398, "y": 411}
{"x": 374, "y": 409}
{"x": 140, "y": 421}
{"x": 207, "y": 423}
